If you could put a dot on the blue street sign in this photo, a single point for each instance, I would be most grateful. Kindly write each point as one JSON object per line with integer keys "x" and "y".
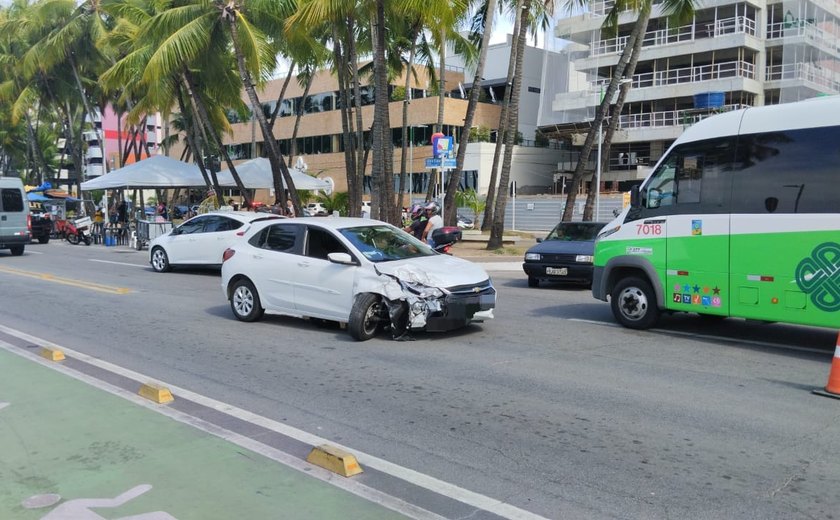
{"x": 441, "y": 164}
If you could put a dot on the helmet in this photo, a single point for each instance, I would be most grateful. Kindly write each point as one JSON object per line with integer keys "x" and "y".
{"x": 416, "y": 210}
{"x": 433, "y": 207}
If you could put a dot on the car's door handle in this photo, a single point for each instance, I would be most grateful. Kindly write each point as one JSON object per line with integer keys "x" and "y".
{"x": 257, "y": 257}
{"x": 303, "y": 264}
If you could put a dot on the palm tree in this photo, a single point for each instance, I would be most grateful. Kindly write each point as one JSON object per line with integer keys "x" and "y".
{"x": 497, "y": 228}
{"x": 455, "y": 177}
{"x": 676, "y": 9}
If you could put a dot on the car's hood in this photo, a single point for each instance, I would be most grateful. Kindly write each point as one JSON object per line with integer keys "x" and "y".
{"x": 435, "y": 271}
{"x": 563, "y": 247}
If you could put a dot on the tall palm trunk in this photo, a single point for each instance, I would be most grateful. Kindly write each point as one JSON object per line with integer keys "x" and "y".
{"x": 346, "y": 120}
{"x": 498, "y": 227}
{"x": 83, "y": 96}
{"x": 405, "y": 133}
{"x": 430, "y": 192}
{"x": 192, "y": 143}
{"x": 355, "y": 197}
{"x": 275, "y": 158}
{"x": 618, "y": 74}
{"x": 501, "y": 132}
{"x": 298, "y": 116}
{"x": 281, "y": 97}
{"x": 615, "y": 115}
{"x": 383, "y": 157}
{"x": 202, "y": 128}
{"x": 472, "y": 104}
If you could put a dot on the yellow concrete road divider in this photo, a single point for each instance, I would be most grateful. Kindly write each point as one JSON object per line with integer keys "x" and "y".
{"x": 334, "y": 459}
{"x": 51, "y": 353}
{"x": 157, "y": 393}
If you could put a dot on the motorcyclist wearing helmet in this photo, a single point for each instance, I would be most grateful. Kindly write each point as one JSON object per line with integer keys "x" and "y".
{"x": 418, "y": 221}
{"x": 435, "y": 221}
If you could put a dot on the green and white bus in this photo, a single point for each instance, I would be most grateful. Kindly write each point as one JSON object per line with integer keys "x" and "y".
{"x": 740, "y": 217}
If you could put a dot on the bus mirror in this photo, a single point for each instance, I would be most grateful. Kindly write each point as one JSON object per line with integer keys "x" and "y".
{"x": 634, "y": 196}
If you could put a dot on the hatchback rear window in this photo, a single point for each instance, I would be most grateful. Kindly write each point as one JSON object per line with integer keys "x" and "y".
{"x": 11, "y": 200}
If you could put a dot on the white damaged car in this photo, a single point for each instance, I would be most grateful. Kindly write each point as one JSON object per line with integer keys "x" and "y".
{"x": 365, "y": 273}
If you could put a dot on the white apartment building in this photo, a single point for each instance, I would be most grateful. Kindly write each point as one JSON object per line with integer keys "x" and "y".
{"x": 731, "y": 55}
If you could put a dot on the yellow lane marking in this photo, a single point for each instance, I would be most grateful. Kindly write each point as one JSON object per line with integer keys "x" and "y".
{"x": 93, "y": 286}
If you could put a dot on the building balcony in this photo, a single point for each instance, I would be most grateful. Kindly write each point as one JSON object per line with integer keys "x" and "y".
{"x": 802, "y": 74}
{"x": 94, "y": 152}
{"x": 802, "y": 31}
{"x": 686, "y": 33}
{"x": 94, "y": 170}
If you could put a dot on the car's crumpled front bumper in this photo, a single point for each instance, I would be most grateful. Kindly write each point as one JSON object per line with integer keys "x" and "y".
{"x": 416, "y": 306}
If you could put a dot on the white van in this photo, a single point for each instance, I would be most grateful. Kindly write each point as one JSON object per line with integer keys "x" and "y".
{"x": 14, "y": 216}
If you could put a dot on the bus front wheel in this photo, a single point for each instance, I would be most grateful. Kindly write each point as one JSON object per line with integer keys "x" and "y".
{"x": 633, "y": 303}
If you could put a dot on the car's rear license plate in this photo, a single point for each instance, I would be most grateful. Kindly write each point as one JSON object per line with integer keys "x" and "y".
{"x": 561, "y": 271}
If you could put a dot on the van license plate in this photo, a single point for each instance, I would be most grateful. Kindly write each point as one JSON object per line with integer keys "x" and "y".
{"x": 562, "y": 271}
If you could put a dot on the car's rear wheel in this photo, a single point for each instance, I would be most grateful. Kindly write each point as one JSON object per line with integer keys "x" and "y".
{"x": 633, "y": 303}
{"x": 160, "y": 260}
{"x": 533, "y": 282}
{"x": 245, "y": 301}
{"x": 43, "y": 239}
{"x": 366, "y": 317}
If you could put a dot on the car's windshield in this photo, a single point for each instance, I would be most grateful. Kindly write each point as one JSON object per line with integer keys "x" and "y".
{"x": 574, "y": 231}
{"x": 382, "y": 243}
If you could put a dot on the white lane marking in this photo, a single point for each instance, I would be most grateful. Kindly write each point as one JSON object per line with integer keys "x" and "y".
{"x": 460, "y": 494}
{"x": 3, "y": 405}
{"x": 34, "y": 252}
{"x": 351, "y": 486}
{"x": 697, "y": 335}
{"x": 117, "y": 263}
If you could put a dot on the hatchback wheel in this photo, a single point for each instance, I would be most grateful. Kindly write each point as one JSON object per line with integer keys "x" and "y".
{"x": 366, "y": 317}
{"x": 160, "y": 261}
{"x": 245, "y": 302}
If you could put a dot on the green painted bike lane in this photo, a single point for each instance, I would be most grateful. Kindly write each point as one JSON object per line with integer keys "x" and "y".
{"x": 62, "y": 441}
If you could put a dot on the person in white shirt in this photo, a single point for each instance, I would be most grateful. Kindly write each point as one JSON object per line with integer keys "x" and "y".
{"x": 435, "y": 222}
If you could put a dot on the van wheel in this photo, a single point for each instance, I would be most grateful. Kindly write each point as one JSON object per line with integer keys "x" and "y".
{"x": 366, "y": 317}
{"x": 16, "y": 250}
{"x": 633, "y": 303}
{"x": 43, "y": 239}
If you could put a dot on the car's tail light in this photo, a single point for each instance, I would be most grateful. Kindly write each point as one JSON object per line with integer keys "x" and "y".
{"x": 29, "y": 222}
{"x": 228, "y": 254}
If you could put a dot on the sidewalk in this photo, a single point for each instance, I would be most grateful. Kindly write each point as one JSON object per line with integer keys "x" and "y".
{"x": 73, "y": 451}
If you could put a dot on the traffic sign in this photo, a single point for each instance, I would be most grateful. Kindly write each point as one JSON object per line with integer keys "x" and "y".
{"x": 441, "y": 164}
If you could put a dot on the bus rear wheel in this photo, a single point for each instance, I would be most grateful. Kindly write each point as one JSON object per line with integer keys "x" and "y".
{"x": 633, "y": 303}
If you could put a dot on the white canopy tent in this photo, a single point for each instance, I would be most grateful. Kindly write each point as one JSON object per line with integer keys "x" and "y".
{"x": 157, "y": 171}
{"x": 256, "y": 174}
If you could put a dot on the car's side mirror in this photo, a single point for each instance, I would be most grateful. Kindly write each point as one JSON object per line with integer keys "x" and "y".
{"x": 341, "y": 258}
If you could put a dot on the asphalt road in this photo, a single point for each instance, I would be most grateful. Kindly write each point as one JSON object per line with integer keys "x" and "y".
{"x": 549, "y": 407}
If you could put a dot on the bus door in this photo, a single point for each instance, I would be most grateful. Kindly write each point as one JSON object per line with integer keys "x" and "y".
{"x": 694, "y": 202}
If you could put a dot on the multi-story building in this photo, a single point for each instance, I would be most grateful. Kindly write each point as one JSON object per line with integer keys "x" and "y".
{"x": 731, "y": 55}
{"x": 319, "y": 135}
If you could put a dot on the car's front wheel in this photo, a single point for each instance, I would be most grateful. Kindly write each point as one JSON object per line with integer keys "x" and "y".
{"x": 160, "y": 261}
{"x": 633, "y": 303}
{"x": 245, "y": 301}
{"x": 366, "y": 317}
{"x": 533, "y": 282}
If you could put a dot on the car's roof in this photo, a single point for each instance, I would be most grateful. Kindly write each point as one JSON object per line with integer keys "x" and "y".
{"x": 334, "y": 223}
{"x": 244, "y": 216}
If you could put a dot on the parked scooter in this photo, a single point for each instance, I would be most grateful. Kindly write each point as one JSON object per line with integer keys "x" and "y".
{"x": 78, "y": 230}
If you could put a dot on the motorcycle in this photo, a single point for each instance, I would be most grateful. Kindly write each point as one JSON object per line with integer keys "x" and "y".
{"x": 78, "y": 230}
